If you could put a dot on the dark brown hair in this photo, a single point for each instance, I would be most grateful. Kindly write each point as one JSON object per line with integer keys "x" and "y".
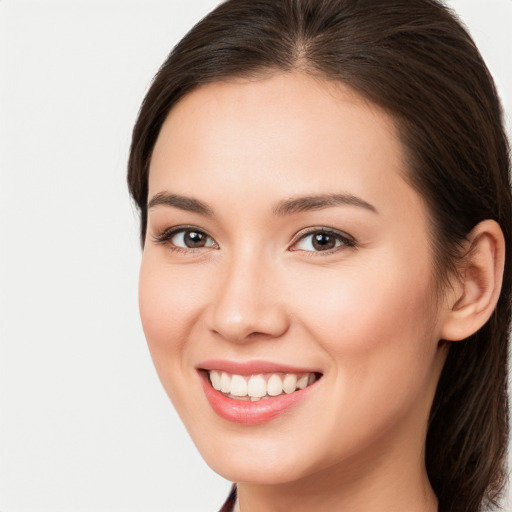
{"x": 415, "y": 60}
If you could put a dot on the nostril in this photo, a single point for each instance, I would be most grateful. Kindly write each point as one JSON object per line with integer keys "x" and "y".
{"x": 250, "y": 326}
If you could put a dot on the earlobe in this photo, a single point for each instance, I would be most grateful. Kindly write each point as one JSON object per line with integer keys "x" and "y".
{"x": 480, "y": 282}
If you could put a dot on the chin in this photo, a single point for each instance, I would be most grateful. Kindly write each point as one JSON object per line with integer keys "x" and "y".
{"x": 257, "y": 470}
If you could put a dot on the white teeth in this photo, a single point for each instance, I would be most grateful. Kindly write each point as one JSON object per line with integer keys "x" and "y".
{"x": 274, "y": 385}
{"x": 215, "y": 379}
{"x": 290, "y": 383}
{"x": 225, "y": 383}
{"x": 259, "y": 387}
{"x": 302, "y": 382}
{"x": 238, "y": 386}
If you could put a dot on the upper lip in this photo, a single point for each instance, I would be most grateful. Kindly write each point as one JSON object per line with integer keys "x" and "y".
{"x": 252, "y": 367}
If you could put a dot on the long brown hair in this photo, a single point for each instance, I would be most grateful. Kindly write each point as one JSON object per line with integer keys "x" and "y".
{"x": 414, "y": 59}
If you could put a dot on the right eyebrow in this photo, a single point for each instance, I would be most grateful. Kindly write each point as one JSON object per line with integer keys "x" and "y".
{"x": 318, "y": 202}
{"x": 183, "y": 203}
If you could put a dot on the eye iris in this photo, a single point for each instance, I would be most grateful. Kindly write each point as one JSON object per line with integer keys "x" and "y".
{"x": 194, "y": 239}
{"x": 323, "y": 241}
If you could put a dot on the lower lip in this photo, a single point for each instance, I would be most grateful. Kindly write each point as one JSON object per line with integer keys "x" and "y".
{"x": 246, "y": 412}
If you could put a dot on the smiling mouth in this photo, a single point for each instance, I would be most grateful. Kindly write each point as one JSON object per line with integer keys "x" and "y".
{"x": 261, "y": 386}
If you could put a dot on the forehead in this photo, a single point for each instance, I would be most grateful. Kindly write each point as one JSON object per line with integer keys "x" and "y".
{"x": 283, "y": 135}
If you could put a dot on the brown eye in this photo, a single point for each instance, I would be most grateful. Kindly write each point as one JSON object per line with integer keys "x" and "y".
{"x": 191, "y": 239}
{"x": 323, "y": 241}
{"x": 194, "y": 239}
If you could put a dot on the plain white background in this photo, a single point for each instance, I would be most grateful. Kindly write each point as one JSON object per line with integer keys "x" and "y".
{"x": 84, "y": 422}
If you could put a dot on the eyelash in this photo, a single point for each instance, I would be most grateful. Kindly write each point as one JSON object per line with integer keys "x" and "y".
{"x": 344, "y": 240}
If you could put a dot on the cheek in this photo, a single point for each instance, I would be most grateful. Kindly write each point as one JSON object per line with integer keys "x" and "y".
{"x": 379, "y": 338}
{"x": 169, "y": 304}
{"x": 365, "y": 319}
{"x": 375, "y": 323}
{"x": 348, "y": 303}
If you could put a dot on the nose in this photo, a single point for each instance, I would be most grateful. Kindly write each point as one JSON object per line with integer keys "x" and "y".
{"x": 247, "y": 303}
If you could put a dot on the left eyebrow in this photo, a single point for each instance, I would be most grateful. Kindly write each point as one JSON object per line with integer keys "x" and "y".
{"x": 318, "y": 202}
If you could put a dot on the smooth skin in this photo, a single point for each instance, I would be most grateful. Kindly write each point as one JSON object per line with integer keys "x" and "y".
{"x": 364, "y": 309}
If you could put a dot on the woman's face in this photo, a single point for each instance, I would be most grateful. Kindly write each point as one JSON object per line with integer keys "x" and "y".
{"x": 285, "y": 248}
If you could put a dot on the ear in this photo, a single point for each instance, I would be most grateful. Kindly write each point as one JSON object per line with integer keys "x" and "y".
{"x": 479, "y": 286}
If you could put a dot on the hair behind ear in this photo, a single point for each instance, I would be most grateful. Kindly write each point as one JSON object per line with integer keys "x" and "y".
{"x": 467, "y": 415}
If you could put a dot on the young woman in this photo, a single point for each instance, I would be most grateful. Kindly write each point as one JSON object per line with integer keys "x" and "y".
{"x": 326, "y": 277}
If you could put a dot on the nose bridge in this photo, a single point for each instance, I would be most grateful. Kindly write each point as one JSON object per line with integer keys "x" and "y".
{"x": 245, "y": 302}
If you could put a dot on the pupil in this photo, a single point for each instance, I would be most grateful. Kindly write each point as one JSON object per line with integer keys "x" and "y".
{"x": 323, "y": 241}
{"x": 194, "y": 239}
